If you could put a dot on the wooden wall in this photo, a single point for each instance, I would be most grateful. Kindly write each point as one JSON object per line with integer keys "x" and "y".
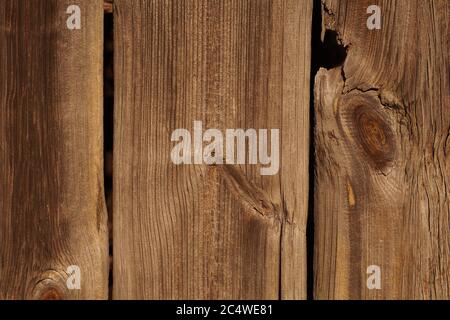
{"x": 374, "y": 144}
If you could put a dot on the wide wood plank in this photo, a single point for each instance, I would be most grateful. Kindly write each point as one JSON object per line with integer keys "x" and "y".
{"x": 52, "y": 212}
{"x": 209, "y": 231}
{"x": 382, "y": 153}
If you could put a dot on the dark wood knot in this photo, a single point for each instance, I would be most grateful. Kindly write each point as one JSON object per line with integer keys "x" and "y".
{"x": 375, "y": 136}
{"x": 51, "y": 294}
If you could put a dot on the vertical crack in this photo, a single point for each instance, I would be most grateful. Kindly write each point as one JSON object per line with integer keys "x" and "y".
{"x": 327, "y": 53}
{"x": 108, "y": 124}
{"x": 316, "y": 59}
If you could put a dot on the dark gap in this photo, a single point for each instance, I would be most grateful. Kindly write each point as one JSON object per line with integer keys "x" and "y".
{"x": 333, "y": 52}
{"x": 316, "y": 59}
{"x": 327, "y": 54}
{"x": 108, "y": 127}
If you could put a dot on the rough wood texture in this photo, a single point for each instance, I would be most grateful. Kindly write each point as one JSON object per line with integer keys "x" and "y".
{"x": 198, "y": 231}
{"x": 51, "y": 186}
{"x": 382, "y": 153}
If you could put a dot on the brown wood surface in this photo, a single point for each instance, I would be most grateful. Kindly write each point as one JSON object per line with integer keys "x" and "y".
{"x": 198, "y": 231}
{"x": 51, "y": 170}
{"x": 382, "y": 153}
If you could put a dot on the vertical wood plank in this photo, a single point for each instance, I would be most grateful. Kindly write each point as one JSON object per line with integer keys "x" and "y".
{"x": 209, "y": 231}
{"x": 52, "y": 212}
{"x": 382, "y": 138}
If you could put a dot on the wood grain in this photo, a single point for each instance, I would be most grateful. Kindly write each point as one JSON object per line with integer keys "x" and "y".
{"x": 218, "y": 231}
{"x": 382, "y": 153}
{"x": 51, "y": 186}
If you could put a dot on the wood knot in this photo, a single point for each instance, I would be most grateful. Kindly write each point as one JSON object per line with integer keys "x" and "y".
{"x": 50, "y": 285}
{"x": 50, "y": 294}
{"x": 375, "y": 136}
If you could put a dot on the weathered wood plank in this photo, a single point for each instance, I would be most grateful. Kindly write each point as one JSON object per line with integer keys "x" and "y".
{"x": 209, "y": 231}
{"x": 382, "y": 138}
{"x": 51, "y": 188}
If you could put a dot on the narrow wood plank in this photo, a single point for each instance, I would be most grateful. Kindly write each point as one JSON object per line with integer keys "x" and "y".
{"x": 51, "y": 186}
{"x": 209, "y": 231}
{"x": 383, "y": 170}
